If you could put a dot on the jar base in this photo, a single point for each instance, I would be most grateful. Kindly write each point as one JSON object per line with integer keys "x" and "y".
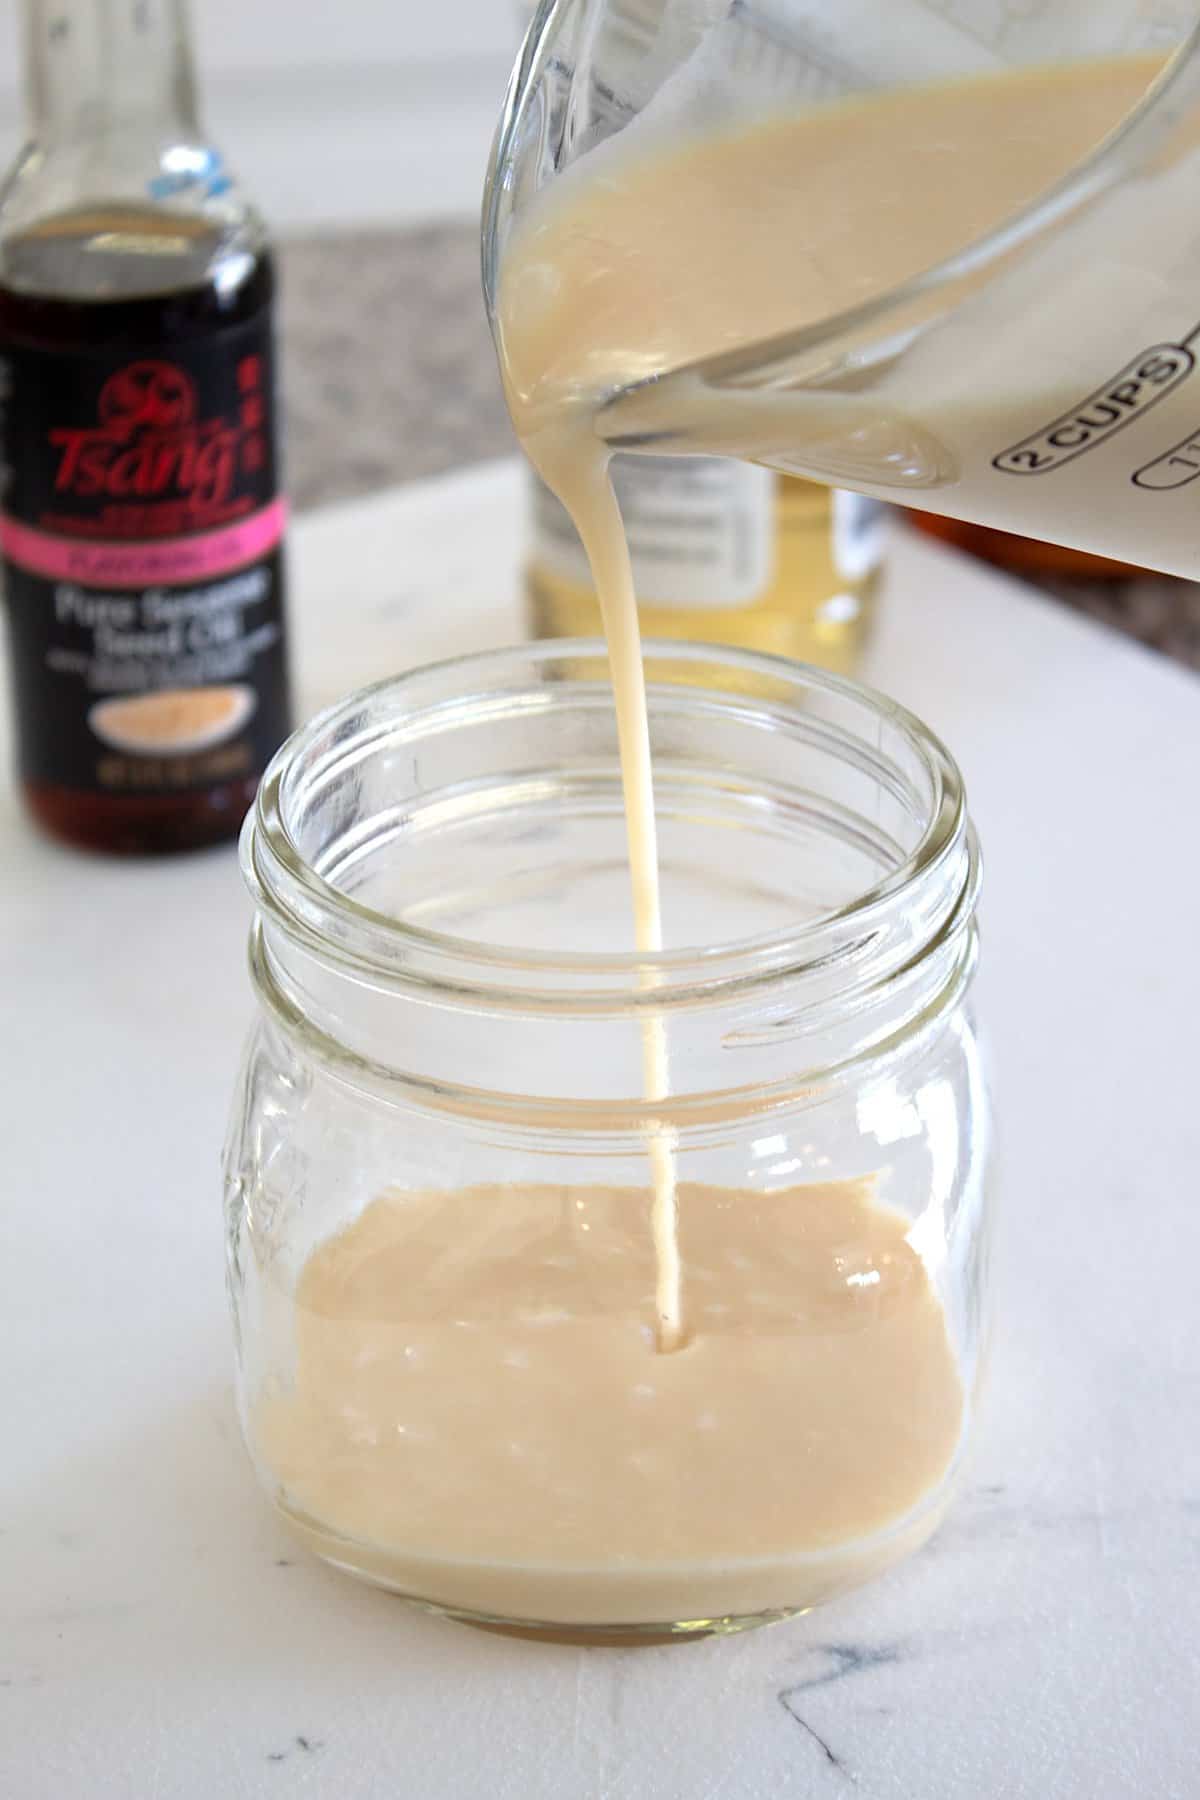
{"x": 582, "y": 1637}
{"x": 351, "y": 1558}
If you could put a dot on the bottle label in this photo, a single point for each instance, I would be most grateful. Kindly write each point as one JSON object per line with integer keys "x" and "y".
{"x": 701, "y": 530}
{"x": 141, "y": 531}
{"x": 859, "y": 525}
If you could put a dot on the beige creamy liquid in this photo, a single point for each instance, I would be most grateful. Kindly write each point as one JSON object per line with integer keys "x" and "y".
{"x": 720, "y": 242}
{"x": 479, "y": 1410}
{"x": 723, "y": 241}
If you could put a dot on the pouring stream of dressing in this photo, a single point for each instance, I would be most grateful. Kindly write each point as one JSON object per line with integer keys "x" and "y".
{"x": 574, "y": 463}
{"x": 629, "y": 266}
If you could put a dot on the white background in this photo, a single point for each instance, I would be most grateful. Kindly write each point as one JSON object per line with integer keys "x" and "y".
{"x": 362, "y": 111}
{"x": 160, "y": 1636}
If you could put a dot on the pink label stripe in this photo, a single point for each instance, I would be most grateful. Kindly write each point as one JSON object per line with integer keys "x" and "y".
{"x": 170, "y": 561}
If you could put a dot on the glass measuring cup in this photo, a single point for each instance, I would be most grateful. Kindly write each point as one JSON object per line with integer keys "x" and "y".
{"x": 1040, "y": 376}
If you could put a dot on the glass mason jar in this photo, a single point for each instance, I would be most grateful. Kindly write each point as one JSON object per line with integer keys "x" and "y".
{"x": 438, "y": 1185}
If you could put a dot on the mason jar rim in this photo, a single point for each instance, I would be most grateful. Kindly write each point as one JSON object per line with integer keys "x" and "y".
{"x": 293, "y": 895}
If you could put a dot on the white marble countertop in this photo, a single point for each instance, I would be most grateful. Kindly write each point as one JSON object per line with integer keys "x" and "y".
{"x": 160, "y": 1636}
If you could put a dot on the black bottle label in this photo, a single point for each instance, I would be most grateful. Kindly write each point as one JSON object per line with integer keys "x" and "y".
{"x": 141, "y": 531}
